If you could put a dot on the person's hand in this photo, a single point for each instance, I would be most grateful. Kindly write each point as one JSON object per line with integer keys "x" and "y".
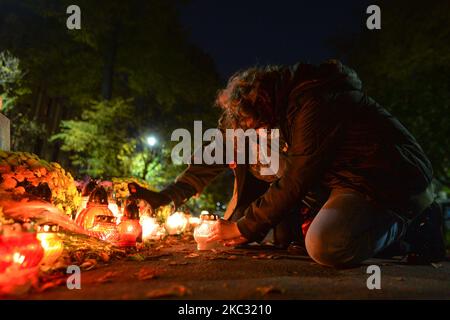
{"x": 154, "y": 199}
{"x": 235, "y": 241}
{"x": 226, "y": 232}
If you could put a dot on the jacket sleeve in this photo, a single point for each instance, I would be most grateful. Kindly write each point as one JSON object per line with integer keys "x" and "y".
{"x": 315, "y": 130}
{"x": 192, "y": 181}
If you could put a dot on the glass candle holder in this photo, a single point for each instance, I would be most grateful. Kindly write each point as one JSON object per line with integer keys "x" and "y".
{"x": 130, "y": 231}
{"x": 105, "y": 228}
{"x": 151, "y": 229}
{"x": 86, "y": 218}
{"x": 20, "y": 255}
{"x": 203, "y": 230}
{"x": 51, "y": 243}
{"x": 176, "y": 223}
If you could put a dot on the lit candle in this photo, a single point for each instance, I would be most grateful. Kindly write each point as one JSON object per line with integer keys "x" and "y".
{"x": 176, "y": 223}
{"x": 151, "y": 229}
{"x": 114, "y": 208}
{"x": 129, "y": 228}
{"x": 194, "y": 221}
{"x": 105, "y": 228}
{"x": 129, "y": 232}
{"x": 204, "y": 229}
{"x": 97, "y": 206}
{"x": 51, "y": 243}
{"x": 20, "y": 255}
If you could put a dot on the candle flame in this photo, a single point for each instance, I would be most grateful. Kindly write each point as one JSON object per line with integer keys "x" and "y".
{"x": 18, "y": 258}
{"x": 176, "y": 223}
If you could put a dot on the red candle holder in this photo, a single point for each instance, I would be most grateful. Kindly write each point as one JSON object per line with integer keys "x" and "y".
{"x": 20, "y": 255}
{"x": 130, "y": 231}
{"x": 21, "y": 250}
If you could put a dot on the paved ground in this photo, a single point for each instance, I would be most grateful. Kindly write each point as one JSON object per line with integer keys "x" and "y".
{"x": 177, "y": 270}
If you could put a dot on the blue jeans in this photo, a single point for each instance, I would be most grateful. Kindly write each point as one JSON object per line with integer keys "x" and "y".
{"x": 349, "y": 229}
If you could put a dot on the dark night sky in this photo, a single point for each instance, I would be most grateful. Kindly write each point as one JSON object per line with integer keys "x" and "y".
{"x": 241, "y": 33}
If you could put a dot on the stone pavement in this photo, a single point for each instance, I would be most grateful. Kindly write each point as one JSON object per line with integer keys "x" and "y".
{"x": 177, "y": 270}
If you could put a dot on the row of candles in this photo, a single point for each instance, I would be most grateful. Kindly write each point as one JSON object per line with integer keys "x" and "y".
{"x": 125, "y": 228}
{"x": 106, "y": 221}
{"x": 26, "y": 249}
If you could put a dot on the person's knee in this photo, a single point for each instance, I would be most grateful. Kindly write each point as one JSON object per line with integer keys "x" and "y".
{"x": 326, "y": 250}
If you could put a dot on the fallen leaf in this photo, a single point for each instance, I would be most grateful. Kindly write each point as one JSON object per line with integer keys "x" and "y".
{"x": 107, "y": 277}
{"x": 218, "y": 258}
{"x": 173, "y": 291}
{"x": 88, "y": 264}
{"x": 259, "y": 257}
{"x": 136, "y": 257}
{"x": 146, "y": 274}
{"x": 436, "y": 265}
{"x": 232, "y": 258}
{"x": 174, "y": 263}
{"x": 50, "y": 284}
{"x": 105, "y": 257}
{"x": 269, "y": 290}
{"x": 192, "y": 255}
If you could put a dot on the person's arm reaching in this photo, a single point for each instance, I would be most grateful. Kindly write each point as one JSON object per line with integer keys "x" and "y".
{"x": 190, "y": 182}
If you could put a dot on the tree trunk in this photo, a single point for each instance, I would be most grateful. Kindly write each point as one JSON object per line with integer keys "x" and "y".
{"x": 109, "y": 63}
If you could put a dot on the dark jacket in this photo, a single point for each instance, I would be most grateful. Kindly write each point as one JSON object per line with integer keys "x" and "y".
{"x": 338, "y": 137}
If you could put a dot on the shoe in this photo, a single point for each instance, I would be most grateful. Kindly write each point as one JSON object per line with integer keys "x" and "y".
{"x": 297, "y": 248}
{"x": 425, "y": 237}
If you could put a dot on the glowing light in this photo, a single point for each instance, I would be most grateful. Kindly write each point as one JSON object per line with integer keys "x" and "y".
{"x": 18, "y": 258}
{"x": 151, "y": 229}
{"x": 86, "y": 218}
{"x": 152, "y": 141}
{"x": 194, "y": 221}
{"x": 203, "y": 231}
{"x": 176, "y": 223}
{"x": 114, "y": 208}
{"x": 105, "y": 228}
{"x": 20, "y": 255}
{"x": 129, "y": 232}
{"x": 53, "y": 248}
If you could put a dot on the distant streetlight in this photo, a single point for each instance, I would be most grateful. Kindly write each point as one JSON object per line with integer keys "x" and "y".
{"x": 152, "y": 141}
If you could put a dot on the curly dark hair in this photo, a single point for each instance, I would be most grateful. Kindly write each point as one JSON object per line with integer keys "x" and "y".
{"x": 250, "y": 94}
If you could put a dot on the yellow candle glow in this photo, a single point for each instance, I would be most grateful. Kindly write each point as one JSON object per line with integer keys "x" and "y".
{"x": 151, "y": 229}
{"x": 176, "y": 223}
{"x": 203, "y": 231}
{"x": 52, "y": 245}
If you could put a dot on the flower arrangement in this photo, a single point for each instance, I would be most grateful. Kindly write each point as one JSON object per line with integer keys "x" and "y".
{"x": 20, "y": 171}
{"x": 120, "y": 187}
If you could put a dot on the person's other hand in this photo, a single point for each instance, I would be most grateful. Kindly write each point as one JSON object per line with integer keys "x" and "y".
{"x": 154, "y": 199}
{"x": 235, "y": 241}
{"x": 224, "y": 231}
